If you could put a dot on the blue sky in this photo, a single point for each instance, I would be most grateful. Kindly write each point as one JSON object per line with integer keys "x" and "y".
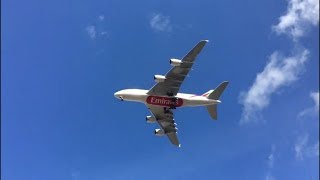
{"x": 62, "y": 61}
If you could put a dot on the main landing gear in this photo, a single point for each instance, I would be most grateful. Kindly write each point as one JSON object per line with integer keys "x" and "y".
{"x": 172, "y": 107}
{"x": 174, "y": 100}
{"x": 166, "y": 110}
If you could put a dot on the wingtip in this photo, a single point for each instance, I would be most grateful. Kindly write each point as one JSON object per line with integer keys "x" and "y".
{"x": 225, "y": 82}
{"x": 206, "y": 40}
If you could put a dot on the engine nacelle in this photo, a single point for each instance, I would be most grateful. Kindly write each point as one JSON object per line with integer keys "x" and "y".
{"x": 159, "y": 132}
{"x": 159, "y": 78}
{"x": 150, "y": 119}
{"x": 175, "y": 62}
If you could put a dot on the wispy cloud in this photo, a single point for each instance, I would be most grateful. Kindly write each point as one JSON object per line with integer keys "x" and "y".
{"x": 271, "y": 157}
{"x": 269, "y": 177}
{"x": 91, "y": 30}
{"x": 300, "y": 14}
{"x": 98, "y": 29}
{"x": 75, "y": 175}
{"x": 315, "y": 98}
{"x": 311, "y": 110}
{"x": 160, "y": 23}
{"x": 271, "y": 161}
{"x": 279, "y": 72}
{"x": 303, "y": 149}
{"x": 101, "y": 17}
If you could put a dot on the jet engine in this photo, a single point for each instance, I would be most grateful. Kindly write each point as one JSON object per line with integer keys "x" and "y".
{"x": 159, "y": 132}
{"x": 150, "y": 119}
{"x": 175, "y": 62}
{"x": 159, "y": 78}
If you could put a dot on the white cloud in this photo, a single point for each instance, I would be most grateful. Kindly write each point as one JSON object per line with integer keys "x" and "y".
{"x": 279, "y": 72}
{"x": 312, "y": 110}
{"x": 104, "y": 33}
{"x": 98, "y": 29}
{"x": 271, "y": 157}
{"x": 160, "y": 23}
{"x": 315, "y": 98}
{"x": 302, "y": 149}
{"x": 300, "y": 146}
{"x": 95, "y": 32}
{"x": 300, "y": 14}
{"x": 282, "y": 71}
{"x": 269, "y": 177}
{"x": 91, "y": 30}
{"x": 101, "y": 17}
{"x": 270, "y": 161}
{"x": 75, "y": 175}
{"x": 315, "y": 149}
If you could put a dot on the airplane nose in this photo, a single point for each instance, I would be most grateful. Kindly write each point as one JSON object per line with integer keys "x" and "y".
{"x": 118, "y": 95}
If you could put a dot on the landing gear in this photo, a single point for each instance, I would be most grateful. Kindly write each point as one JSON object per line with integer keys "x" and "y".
{"x": 166, "y": 110}
{"x": 169, "y": 93}
{"x": 174, "y": 101}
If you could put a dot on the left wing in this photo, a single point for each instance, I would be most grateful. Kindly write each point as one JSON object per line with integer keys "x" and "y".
{"x": 164, "y": 117}
{"x": 177, "y": 74}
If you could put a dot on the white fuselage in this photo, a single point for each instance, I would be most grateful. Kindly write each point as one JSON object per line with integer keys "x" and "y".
{"x": 180, "y": 100}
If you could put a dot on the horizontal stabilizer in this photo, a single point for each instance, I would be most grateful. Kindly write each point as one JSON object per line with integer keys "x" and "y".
{"x": 212, "y": 109}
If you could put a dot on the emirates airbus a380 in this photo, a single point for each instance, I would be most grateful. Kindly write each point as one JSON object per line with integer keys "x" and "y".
{"x": 163, "y": 97}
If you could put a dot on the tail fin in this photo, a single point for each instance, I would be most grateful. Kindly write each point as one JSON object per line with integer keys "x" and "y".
{"x": 215, "y": 94}
{"x": 206, "y": 94}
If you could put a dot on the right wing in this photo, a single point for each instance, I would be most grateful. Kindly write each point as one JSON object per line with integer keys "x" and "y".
{"x": 164, "y": 117}
{"x": 177, "y": 74}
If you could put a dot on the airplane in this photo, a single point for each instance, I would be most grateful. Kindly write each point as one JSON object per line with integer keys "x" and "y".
{"x": 163, "y": 97}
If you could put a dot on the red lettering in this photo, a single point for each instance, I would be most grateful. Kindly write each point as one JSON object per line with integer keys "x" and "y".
{"x": 164, "y": 101}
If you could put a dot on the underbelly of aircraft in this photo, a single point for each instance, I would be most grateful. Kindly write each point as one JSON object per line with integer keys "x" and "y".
{"x": 176, "y": 101}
